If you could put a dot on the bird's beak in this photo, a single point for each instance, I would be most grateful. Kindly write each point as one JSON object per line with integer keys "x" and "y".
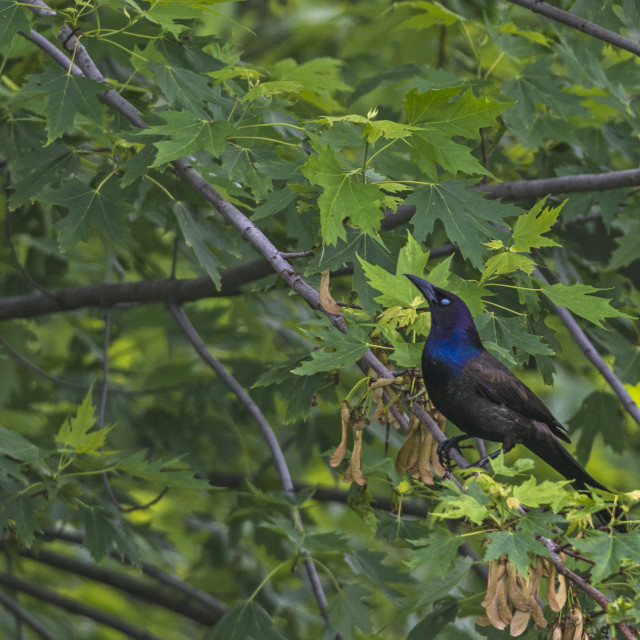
{"x": 426, "y": 288}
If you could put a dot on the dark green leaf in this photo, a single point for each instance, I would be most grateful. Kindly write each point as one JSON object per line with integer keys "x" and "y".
{"x": 444, "y": 611}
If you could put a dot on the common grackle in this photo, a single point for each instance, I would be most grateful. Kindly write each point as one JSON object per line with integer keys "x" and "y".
{"x": 480, "y": 395}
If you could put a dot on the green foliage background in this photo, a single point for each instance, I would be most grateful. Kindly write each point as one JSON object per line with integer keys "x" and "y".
{"x": 361, "y": 134}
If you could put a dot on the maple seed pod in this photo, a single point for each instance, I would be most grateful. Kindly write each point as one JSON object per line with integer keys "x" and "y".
{"x": 555, "y": 597}
{"x": 573, "y": 624}
{"x": 356, "y": 457}
{"x": 497, "y": 611}
{"x": 403, "y": 459}
{"x": 555, "y": 632}
{"x": 424, "y": 456}
{"x": 338, "y": 454}
{"x": 384, "y": 382}
{"x": 517, "y": 589}
{"x": 519, "y": 623}
{"x": 326, "y": 300}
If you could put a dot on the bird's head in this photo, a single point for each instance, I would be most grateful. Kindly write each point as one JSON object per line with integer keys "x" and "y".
{"x": 448, "y": 312}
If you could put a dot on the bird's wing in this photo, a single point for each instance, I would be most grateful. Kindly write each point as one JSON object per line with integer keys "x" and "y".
{"x": 496, "y": 383}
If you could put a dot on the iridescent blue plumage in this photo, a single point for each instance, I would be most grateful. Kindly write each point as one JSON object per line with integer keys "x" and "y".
{"x": 480, "y": 395}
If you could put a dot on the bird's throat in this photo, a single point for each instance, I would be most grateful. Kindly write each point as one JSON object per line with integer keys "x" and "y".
{"x": 446, "y": 354}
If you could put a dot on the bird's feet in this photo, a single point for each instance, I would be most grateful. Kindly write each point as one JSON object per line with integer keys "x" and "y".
{"x": 483, "y": 461}
{"x": 445, "y": 447}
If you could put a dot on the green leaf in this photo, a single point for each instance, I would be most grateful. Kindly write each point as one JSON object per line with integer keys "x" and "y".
{"x": 104, "y": 530}
{"x": 184, "y": 87}
{"x": 319, "y": 77}
{"x": 512, "y": 334}
{"x": 397, "y": 289}
{"x": 347, "y": 349}
{"x": 35, "y": 170}
{"x": 23, "y": 510}
{"x": 67, "y": 95}
{"x": 196, "y": 231}
{"x": 530, "y": 227}
{"x": 273, "y": 203}
{"x": 88, "y": 207}
{"x": 14, "y": 445}
{"x": 76, "y": 432}
{"x": 533, "y": 494}
{"x": 455, "y": 503}
{"x": 506, "y": 262}
{"x": 347, "y": 610}
{"x": 370, "y": 564}
{"x": 608, "y": 551}
{"x": 516, "y": 545}
{"x": 245, "y": 621}
{"x": 436, "y": 584}
{"x": 342, "y": 197}
{"x": 159, "y": 472}
{"x": 430, "y": 14}
{"x": 439, "y": 550}
{"x": 539, "y": 85}
{"x": 243, "y": 164}
{"x": 598, "y": 408}
{"x": 444, "y": 611}
{"x": 576, "y": 298}
{"x": 442, "y": 114}
{"x": 185, "y": 134}
{"x": 467, "y": 217}
{"x": 12, "y": 19}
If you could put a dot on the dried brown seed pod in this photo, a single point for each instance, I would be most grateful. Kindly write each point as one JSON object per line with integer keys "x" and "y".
{"x": 338, "y": 454}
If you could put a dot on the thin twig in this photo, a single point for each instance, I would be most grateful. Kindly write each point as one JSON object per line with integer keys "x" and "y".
{"x": 82, "y": 387}
{"x": 134, "y": 586}
{"x": 268, "y": 434}
{"x": 576, "y": 22}
{"x": 625, "y": 629}
{"x": 105, "y": 369}
{"x": 206, "y": 599}
{"x": 174, "y": 258}
{"x": 25, "y": 617}
{"x": 16, "y": 259}
{"x": 592, "y": 354}
{"x": 74, "y": 606}
{"x": 296, "y": 254}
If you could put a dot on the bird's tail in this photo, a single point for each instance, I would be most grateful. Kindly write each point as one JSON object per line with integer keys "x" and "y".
{"x": 552, "y": 452}
{"x": 563, "y": 462}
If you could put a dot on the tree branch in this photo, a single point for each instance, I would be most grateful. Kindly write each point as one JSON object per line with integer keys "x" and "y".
{"x": 592, "y": 354}
{"x": 133, "y": 586}
{"x": 143, "y": 292}
{"x": 206, "y": 599}
{"x": 563, "y": 184}
{"x": 576, "y": 22}
{"x": 73, "y": 606}
{"x": 267, "y": 432}
{"x": 24, "y": 616}
{"x": 625, "y": 629}
{"x": 229, "y": 212}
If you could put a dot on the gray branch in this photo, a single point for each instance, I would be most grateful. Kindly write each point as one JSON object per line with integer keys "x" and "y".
{"x": 74, "y": 606}
{"x": 24, "y": 616}
{"x": 268, "y": 434}
{"x": 231, "y": 214}
{"x": 181, "y": 604}
{"x": 592, "y": 354}
{"x": 132, "y": 293}
{"x": 597, "y": 596}
{"x": 576, "y": 22}
{"x": 217, "y": 607}
{"x": 563, "y": 184}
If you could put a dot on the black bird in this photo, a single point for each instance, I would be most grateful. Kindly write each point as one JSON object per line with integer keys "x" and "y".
{"x": 480, "y": 395}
